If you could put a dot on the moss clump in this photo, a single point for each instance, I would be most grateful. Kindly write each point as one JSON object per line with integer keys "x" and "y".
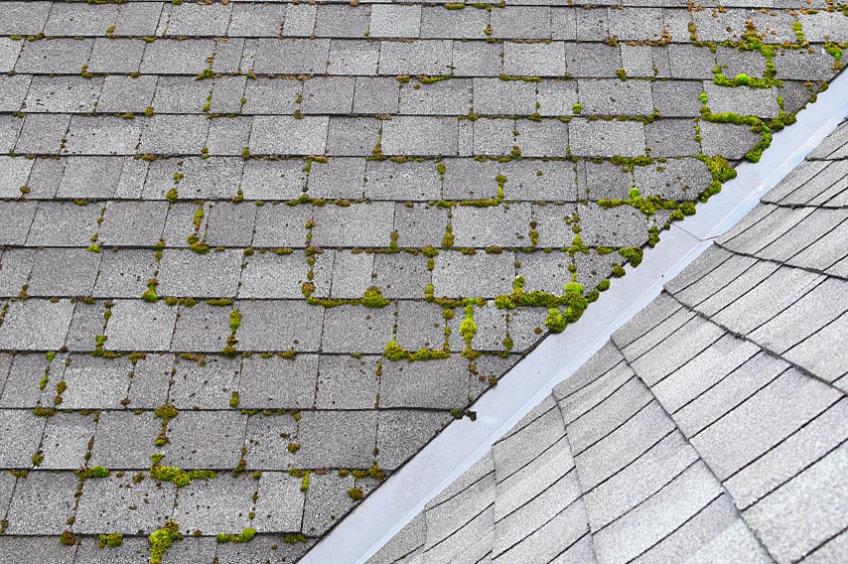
{"x": 555, "y": 322}
{"x": 573, "y": 288}
{"x": 162, "y": 539}
{"x": 235, "y": 320}
{"x": 68, "y": 538}
{"x": 180, "y": 477}
{"x": 719, "y": 168}
{"x": 245, "y": 536}
{"x": 468, "y": 328}
{"x": 374, "y": 472}
{"x": 373, "y": 298}
{"x": 633, "y": 254}
{"x": 295, "y": 538}
{"x": 393, "y": 351}
{"x": 755, "y": 154}
{"x": 356, "y": 494}
{"x": 113, "y": 540}
{"x": 165, "y": 411}
{"x": 93, "y": 472}
{"x": 447, "y": 239}
{"x": 197, "y": 246}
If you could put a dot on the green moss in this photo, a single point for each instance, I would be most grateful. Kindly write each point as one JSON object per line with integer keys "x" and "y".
{"x": 161, "y": 540}
{"x": 356, "y": 494}
{"x": 68, "y": 538}
{"x": 172, "y": 195}
{"x": 573, "y": 288}
{"x": 756, "y": 152}
{"x": 719, "y": 168}
{"x": 165, "y": 411}
{"x": 234, "y": 400}
{"x": 112, "y": 540}
{"x": 447, "y": 239}
{"x": 178, "y": 476}
{"x": 245, "y": 536}
{"x": 197, "y": 245}
{"x": 373, "y": 298}
{"x": 510, "y": 78}
{"x": 294, "y": 538}
{"x": 555, "y": 322}
{"x": 393, "y": 351}
{"x": 633, "y": 254}
{"x": 835, "y": 51}
{"x": 93, "y": 472}
{"x": 468, "y": 328}
{"x": 304, "y": 484}
{"x": 235, "y": 320}
{"x": 432, "y": 79}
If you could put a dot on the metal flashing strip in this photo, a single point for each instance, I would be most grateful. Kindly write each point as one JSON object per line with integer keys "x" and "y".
{"x": 396, "y": 502}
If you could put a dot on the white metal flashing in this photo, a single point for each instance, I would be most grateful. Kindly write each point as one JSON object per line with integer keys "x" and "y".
{"x": 377, "y": 519}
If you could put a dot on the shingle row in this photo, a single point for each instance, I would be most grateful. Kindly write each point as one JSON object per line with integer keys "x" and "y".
{"x": 293, "y": 56}
{"x": 411, "y": 22}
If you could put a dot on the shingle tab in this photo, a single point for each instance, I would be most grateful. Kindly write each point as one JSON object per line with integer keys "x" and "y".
{"x": 765, "y": 419}
{"x": 653, "y": 520}
{"x": 812, "y": 508}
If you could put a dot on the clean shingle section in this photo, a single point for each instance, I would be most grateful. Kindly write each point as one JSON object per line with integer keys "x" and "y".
{"x": 36, "y": 325}
{"x": 805, "y": 512}
{"x": 289, "y": 136}
{"x": 135, "y": 324}
{"x": 792, "y": 400}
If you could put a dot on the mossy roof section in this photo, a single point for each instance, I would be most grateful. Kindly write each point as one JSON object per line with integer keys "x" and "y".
{"x": 711, "y": 426}
{"x": 217, "y": 235}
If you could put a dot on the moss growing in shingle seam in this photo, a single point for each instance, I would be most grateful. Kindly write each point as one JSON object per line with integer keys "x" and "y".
{"x": 161, "y": 540}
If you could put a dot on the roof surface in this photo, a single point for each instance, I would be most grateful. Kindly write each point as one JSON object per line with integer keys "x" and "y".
{"x": 255, "y": 255}
{"x": 710, "y": 428}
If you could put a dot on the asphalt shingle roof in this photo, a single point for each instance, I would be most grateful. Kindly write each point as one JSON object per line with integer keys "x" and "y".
{"x": 712, "y": 427}
{"x": 254, "y": 256}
